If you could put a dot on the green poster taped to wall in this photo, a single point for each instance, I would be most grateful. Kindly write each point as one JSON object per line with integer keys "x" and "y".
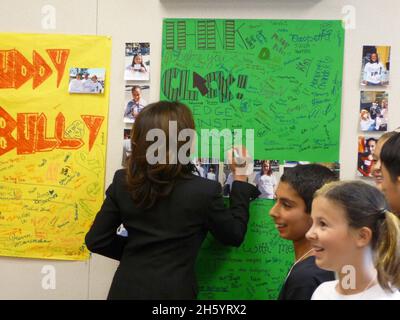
{"x": 281, "y": 78}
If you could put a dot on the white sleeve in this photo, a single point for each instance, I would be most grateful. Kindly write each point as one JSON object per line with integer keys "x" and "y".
{"x": 317, "y": 294}
{"x": 365, "y": 74}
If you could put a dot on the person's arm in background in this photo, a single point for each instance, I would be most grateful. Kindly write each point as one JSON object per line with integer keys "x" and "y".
{"x": 102, "y": 237}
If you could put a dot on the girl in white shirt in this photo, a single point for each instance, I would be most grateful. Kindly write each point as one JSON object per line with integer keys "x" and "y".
{"x": 373, "y": 71}
{"x": 355, "y": 235}
{"x": 265, "y": 181}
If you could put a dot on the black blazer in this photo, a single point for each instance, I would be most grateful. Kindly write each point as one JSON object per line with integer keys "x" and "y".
{"x": 157, "y": 259}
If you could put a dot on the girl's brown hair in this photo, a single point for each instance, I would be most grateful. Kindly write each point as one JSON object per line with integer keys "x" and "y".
{"x": 148, "y": 182}
{"x": 365, "y": 206}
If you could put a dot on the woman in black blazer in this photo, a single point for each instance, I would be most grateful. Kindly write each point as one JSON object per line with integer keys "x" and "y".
{"x": 167, "y": 211}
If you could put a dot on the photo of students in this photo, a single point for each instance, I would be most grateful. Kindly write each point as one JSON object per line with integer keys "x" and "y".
{"x": 86, "y": 80}
{"x": 137, "y": 61}
{"x": 373, "y": 111}
{"x": 375, "y": 65}
{"x": 366, "y": 148}
{"x": 291, "y": 214}
{"x": 354, "y": 235}
{"x": 136, "y": 103}
{"x": 390, "y": 167}
{"x": 265, "y": 179}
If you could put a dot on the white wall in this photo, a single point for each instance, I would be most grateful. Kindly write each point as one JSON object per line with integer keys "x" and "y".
{"x": 377, "y": 22}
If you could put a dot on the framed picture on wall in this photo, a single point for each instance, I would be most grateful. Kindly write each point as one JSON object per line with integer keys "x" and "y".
{"x": 375, "y": 65}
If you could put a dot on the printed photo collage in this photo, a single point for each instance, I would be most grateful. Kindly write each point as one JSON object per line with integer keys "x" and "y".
{"x": 374, "y": 104}
{"x": 265, "y": 176}
{"x": 137, "y": 88}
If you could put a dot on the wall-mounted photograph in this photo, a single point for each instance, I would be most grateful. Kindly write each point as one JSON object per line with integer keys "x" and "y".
{"x": 373, "y": 111}
{"x": 137, "y": 61}
{"x": 86, "y": 80}
{"x": 136, "y": 98}
{"x": 366, "y": 148}
{"x": 375, "y": 65}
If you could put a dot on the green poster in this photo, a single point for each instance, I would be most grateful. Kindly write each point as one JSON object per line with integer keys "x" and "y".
{"x": 280, "y": 78}
{"x": 254, "y": 271}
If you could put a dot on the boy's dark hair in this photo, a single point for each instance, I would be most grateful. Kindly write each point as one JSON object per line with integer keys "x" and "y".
{"x": 306, "y": 179}
{"x": 390, "y": 156}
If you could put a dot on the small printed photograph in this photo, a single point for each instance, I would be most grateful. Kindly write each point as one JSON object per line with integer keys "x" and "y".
{"x": 207, "y": 168}
{"x": 86, "y": 80}
{"x": 136, "y": 97}
{"x": 366, "y": 147}
{"x": 334, "y": 166}
{"x": 373, "y": 111}
{"x": 375, "y": 65}
{"x": 265, "y": 177}
{"x": 137, "y": 61}
{"x": 126, "y": 147}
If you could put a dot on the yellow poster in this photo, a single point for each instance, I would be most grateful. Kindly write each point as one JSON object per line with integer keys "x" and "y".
{"x": 53, "y": 132}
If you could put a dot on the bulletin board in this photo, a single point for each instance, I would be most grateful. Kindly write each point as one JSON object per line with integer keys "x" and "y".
{"x": 52, "y": 144}
{"x": 281, "y": 78}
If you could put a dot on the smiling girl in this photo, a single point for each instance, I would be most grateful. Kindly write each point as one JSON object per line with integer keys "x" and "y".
{"x": 355, "y": 235}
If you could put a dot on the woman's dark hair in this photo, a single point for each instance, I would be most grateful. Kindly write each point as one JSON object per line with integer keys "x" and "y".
{"x": 269, "y": 172}
{"x": 149, "y": 182}
{"x": 390, "y": 156}
{"x": 366, "y": 206}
